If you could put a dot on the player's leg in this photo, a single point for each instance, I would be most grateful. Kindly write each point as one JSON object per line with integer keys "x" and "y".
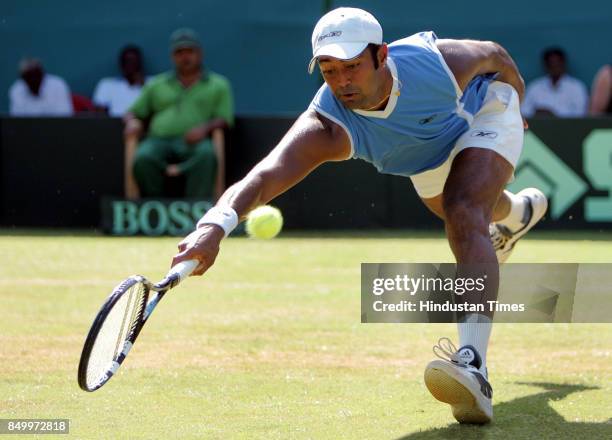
{"x": 525, "y": 209}
{"x": 500, "y": 212}
{"x": 471, "y": 183}
{"x": 497, "y": 126}
{"x": 511, "y": 210}
{"x": 471, "y": 193}
{"x": 149, "y": 166}
{"x": 513, "y": 216}
{"x": 474, "y": 185}
{"x": 430, "y": 184}
{"x": 459, "y": 380}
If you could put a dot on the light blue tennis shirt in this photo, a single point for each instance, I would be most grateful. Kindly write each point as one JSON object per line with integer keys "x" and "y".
{"x": 425, "y": 115}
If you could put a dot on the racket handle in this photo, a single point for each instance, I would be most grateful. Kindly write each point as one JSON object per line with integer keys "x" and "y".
{"x": 184, "y": 269}
{"x": 177, "y": 274}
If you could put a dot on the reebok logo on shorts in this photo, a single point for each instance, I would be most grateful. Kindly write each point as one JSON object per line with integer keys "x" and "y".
{"x": 484, "y": 134}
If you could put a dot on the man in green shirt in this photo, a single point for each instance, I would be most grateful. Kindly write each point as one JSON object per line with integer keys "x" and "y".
{"x": 186, "y": 108}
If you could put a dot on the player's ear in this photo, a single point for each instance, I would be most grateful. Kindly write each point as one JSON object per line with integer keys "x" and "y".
{"x": 383, "y": 52}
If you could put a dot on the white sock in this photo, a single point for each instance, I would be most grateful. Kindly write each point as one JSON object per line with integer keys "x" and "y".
{"x": 475, "y": 329}
{"x": 516, "y": 217}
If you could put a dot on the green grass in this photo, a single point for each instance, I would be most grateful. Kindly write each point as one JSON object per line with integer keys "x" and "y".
{"x": 269, "y": 345}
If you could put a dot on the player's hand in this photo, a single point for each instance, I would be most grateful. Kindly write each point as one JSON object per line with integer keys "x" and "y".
{"x": 195, "y": 135}
{"x": 202, "y": 245}
{"x": 525, "y": 124}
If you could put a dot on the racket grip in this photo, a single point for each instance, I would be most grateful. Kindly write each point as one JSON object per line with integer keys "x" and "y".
{"x": 177, "y": 274}
{"x": 184, "y": 268}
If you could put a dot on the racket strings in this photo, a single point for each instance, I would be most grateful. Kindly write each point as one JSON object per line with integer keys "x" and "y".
{"x": 117, "y": 328}
{"x": 124, "y": 323}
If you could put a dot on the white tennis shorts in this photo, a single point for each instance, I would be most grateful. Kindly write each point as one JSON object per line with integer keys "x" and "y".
{"x": 498, "y": 126}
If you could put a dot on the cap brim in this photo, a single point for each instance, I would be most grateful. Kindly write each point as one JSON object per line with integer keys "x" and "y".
{"x": 342, "y": 51}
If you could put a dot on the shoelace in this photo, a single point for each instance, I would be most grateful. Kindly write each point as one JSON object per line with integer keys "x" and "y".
{"x": 499, "y": 236}
{"x": 446, "y": 350}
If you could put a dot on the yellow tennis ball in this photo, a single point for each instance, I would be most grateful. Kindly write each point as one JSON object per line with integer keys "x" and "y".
{"x": 264, "y": 222}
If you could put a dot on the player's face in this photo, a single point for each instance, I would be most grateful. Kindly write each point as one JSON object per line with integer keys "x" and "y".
{"x": 354, "y": 82}
{"x": 187, "y": 60}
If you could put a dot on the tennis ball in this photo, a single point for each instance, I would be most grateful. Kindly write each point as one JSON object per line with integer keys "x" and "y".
{"x": 264, "y": 222}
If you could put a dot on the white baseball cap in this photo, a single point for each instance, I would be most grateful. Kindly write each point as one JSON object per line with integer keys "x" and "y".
{"x": 344, "y": 33}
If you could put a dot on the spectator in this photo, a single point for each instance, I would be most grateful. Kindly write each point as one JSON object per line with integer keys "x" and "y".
{"x": 601, "y": 92}
{"x": 557, "y": 93}
{"x": 185, "y": 108}
{"x": 37, "y": 93}
{"x": 118, "y": 93}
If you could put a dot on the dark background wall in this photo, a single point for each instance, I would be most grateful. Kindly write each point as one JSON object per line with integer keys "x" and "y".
{"x": 263, "y": 46}
{"x": 54, "y": 172}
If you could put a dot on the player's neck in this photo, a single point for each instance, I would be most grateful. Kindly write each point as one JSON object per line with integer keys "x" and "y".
{"x": 384, "y": 92}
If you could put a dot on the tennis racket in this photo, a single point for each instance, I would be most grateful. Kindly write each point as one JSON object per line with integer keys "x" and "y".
{"x": 119, "y": 322}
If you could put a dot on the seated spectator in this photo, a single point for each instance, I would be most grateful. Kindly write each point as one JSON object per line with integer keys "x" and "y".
{"x": 184, "y": 107}
{"x": 557, "y": 93}
{"x": 37, "y": 93}
{"x": 601, "y": 92}
{"x": 118, "y": 93}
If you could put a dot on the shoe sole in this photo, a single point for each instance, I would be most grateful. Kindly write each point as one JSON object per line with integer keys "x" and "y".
{"x": 446, "y": 388}
{"x": 538, "y": 212}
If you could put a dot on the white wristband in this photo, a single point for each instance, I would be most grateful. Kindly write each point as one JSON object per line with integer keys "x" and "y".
{"x": 223, "y": 216}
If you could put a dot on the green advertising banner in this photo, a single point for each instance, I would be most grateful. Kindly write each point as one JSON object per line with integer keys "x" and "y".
{"x": 571, "y": 162}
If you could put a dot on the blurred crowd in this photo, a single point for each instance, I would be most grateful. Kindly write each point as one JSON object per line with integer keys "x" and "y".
{"x": 559, "y": 94}
{"x": 176, "y": 121}
{"x": 37, "y": 93}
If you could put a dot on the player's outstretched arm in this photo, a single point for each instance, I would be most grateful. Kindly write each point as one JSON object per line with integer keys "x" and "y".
{"x": 310, "y": 142}
{"x": 469, "y": 58}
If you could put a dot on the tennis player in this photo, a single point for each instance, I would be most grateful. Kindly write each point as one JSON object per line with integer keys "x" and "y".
{"x": 444, "y": 113}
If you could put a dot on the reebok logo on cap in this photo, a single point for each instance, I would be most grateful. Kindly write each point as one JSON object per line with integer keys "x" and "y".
{"x": 331, "y": 34}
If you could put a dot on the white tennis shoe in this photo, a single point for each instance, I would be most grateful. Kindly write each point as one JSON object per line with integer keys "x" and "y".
{"x": 457, "y": 379}
{"x": 503, "y": 238}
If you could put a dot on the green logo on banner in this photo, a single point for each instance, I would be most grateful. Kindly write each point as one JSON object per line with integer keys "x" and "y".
{"x": 156, "y": 217}
{"x": 541, "y": 168}
{"x": 597, "y": 159}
